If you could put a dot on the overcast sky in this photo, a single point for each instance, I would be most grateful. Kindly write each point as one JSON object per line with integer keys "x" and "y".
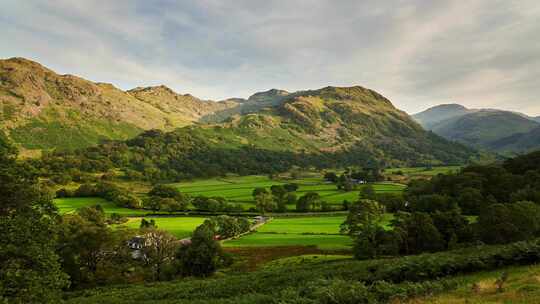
{"x": 416, "y": 53}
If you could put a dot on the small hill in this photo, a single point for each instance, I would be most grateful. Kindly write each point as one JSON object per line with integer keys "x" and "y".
{"x": 41, "y": 109}
{"x": 434, "y": 115}
{"x": 478, "y": 128}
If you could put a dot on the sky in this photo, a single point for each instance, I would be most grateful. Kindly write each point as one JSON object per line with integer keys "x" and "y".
{"x": 417, "y": 53}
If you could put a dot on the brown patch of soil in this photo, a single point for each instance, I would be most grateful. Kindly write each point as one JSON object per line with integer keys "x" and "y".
{"x": 253, "y": 257}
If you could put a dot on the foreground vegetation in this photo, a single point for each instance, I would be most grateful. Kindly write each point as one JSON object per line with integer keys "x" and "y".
{"x": 339, "y": 281}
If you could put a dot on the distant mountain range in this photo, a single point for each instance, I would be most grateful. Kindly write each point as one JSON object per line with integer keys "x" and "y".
{"x": 495, "y": 130}
{"x": 43, "y": 110}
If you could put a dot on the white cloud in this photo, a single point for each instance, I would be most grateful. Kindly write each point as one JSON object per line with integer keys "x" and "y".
{"x": 417, "y": 53}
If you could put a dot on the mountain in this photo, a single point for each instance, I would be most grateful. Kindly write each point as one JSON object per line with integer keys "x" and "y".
{"x": 325, "y": 128}
{"x": 519, "y": 142}
{"x": 253, "y": 104}
{"x": 479, "y": 128}
{"x": 537, "y": 118}
{"x": 41, "y": 109}
{"x": 432, "y": 116}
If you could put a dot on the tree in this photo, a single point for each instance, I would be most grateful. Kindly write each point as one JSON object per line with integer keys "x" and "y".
{"x": 364, "y": 225}
{"x": 30, "y": 271}
{"x": 165, "y": 191}
{"x": 453, "y": 226}
{"x": 258, "y": 191}
{"x": 152, "y": 203}
{"x": 147, "y": 224}
{"x": 503, "y": 223}
{"x": 471, "y": 201}
{"x": 292, "y": 187}
{"x": 201, "y": 258}
{"x": 84, "y": 240}
{"x": 227, "y": 226}
{"x": 368, "y": 192}
{"x": 307, "y": 201}
{"x": 265, "y": 202}
{"x": 418, "y": 232}
{"x": 280, "y": 197}
{"x": 158, "y": 250}
{"x": 331, "y": 177}
{"x": 167, "y": 197}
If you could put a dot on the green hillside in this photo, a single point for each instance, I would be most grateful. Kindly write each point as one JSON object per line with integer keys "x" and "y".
{"x": 41, "y": 109}
{"x": 519, "y": 142}
{"x": 494, "y": 130}
{"x": 326, "y": 128}
{"x": 480, "y": 128}
{"x": 434, "y": 115}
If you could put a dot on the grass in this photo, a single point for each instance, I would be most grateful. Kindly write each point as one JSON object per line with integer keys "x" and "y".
{"x": 326, "y": 242}
{"x": 181, "y": 227}
{"x": 319, "y": 231}
{"x": 522, "y": 287}
{"x": 71, "y": 204}
{"x": 322, "y": 232}
{"x": 239, "y": 189}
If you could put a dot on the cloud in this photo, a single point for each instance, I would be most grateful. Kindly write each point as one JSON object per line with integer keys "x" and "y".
{"x": 417, "y": 53}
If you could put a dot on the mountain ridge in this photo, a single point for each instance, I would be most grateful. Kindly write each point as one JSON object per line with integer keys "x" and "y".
{"x": 41, "y": 109}
{"x": 47, "y": 110}
{"x": 478, "y": 128}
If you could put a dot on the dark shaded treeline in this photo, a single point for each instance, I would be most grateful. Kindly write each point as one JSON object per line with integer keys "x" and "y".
{"x": 187, "y": 153}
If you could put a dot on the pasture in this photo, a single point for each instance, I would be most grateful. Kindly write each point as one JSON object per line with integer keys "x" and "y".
{"x": 239, "y": 189}
{"x": 71, "y": 204}
{"x": 319, "y": 231}
{"x": 180, "y": 227}
{"x": 322, "y": 232}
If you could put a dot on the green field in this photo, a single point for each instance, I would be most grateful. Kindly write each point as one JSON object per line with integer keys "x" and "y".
{"x": 69, "y": 205}
{"x": 181, "y": 227}
{"x": 423, "y": 171}
{"x": 320, "y": 231}
{"x": 239, "y": 189}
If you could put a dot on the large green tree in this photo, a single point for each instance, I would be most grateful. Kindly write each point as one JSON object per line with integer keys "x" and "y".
{"x": 364, "y": 225}
{"x": 200, "y": 258}
{"x": 30, "y": 271}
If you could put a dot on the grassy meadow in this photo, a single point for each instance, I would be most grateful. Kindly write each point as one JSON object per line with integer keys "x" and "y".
{"x": 319, "y": 231}
{"x": 180, "y": 227}
{"x": 239, "y": 189}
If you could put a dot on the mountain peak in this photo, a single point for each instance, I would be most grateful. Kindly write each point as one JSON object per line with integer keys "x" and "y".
{"x": 159, "y": 89}
{"x": 437, "y": 114}
{"x": 270, "y": 94}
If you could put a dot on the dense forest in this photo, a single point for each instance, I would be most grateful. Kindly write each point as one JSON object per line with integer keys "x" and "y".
{"x": 190, "y": 153}
{"x": 492, "y": 204}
